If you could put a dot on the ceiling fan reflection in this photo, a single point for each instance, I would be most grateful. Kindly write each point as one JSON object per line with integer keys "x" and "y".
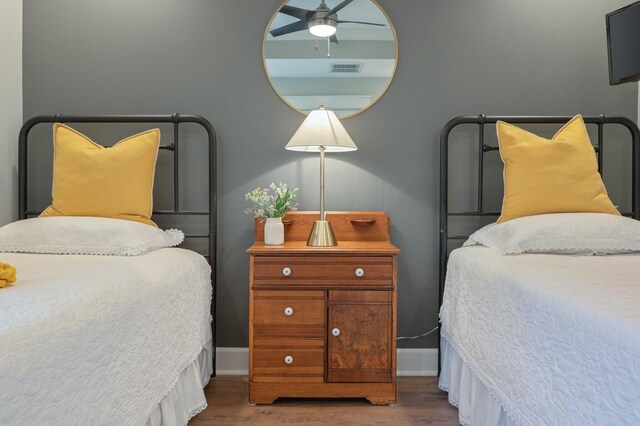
{"x": 321, "y": 22}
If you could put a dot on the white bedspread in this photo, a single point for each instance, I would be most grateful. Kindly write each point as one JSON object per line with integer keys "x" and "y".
{"x": 554, "y": 338}
{"x": 99, "y": 339}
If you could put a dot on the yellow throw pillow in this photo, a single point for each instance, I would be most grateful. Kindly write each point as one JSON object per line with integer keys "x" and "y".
{"x": 91, "y": 180}
{"x": 557, "y": 175}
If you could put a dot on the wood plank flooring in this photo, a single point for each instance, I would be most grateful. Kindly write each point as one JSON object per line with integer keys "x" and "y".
{"x": 420, "y": 402}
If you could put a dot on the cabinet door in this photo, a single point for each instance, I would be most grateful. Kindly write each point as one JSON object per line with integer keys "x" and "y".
{"x": 359, "y": 337}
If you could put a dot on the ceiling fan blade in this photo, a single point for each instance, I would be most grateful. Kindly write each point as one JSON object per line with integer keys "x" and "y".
{"x": 334, "y": 39}
{"x": 291, "y": 28}
{"x": 296, "y": 12}
{"x": 360, "y": 22}
{"x": 339, "y": 7}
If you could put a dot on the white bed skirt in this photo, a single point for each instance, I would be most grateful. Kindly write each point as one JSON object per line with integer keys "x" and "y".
{"x": 476, "y": 405}
{"x": 186, "y": 398}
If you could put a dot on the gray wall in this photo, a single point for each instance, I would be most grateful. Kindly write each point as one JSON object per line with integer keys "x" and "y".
{"x": 204, "y": 57}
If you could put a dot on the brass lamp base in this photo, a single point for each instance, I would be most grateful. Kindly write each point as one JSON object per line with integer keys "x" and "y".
{"x": 322, "y": 235}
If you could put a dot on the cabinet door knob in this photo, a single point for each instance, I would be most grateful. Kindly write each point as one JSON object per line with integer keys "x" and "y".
{"x": 359, "y": 272}
{"x": 335, "y": 332}
{"x": 288, "y": 360}
{"x": 288, "y": 311}
{"x": 286, "y": 271}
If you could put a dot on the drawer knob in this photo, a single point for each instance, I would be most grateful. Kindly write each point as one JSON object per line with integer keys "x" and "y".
{"x": 288, "y": 311}
{"x": 359, "y": 272}
{"x": 335, "y": 332}
{"x": 288, "y": 360}
{"x": 286, "y": 271}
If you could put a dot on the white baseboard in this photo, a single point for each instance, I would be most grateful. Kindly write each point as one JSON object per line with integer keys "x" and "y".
{"x": 232, "y": 361}
{"x": 411, "y": 362}
{"x": 417, "y": 362}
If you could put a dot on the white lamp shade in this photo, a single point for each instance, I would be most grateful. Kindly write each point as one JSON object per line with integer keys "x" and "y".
{"x": 321, "y": 128}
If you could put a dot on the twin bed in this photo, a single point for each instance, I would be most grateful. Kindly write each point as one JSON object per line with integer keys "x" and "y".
{"x": 90, "y": 339}
{"x": 539, "y": 338}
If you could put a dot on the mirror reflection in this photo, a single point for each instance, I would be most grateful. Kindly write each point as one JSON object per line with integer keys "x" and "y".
{"x": 340, "y": 54}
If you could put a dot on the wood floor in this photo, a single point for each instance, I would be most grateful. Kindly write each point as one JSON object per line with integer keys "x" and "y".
{"x": 420, "y": 402}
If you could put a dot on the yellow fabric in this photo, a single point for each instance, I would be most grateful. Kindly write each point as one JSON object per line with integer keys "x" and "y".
{"x": 558, "y": 175}
{"x": 7, "y": 274}
{"x": 91, "y": 180}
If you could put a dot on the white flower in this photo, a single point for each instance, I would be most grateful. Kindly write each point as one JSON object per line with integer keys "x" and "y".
{"x": 274, "y": 201}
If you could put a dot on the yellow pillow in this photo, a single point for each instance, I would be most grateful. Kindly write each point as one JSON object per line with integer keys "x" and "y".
{"x": 91, "y": 180}
{"x": 550, "y": 176}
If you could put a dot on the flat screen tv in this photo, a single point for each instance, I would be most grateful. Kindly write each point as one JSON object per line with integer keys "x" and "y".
{"x": 623, "y": 43}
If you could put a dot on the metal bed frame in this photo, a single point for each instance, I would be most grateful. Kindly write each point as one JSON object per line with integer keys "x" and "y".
{"x": 176, "y": 119}
{"x": 481, "y": 121}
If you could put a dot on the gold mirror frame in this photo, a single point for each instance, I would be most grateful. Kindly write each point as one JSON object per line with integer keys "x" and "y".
{"x": 264, "y": 62}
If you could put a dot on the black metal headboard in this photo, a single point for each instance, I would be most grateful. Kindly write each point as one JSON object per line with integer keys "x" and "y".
{"x": 176, "y": 120}
{"x": 481, "y": 121}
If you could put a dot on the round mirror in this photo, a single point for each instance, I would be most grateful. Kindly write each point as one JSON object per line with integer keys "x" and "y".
{"x": 338, "y": 53}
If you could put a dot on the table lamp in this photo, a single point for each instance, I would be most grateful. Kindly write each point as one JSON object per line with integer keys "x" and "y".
{"x": 321, "y": 132}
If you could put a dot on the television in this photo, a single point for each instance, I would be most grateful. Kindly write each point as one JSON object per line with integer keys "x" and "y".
{"x": 623, "y": 44}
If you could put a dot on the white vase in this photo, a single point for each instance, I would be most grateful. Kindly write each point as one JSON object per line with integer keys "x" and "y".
{"x": 274, "y": 231}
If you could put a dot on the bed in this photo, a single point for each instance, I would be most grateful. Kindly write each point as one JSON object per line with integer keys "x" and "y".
{"x": 90, "y": 339}
{"x": 538, "y": 338}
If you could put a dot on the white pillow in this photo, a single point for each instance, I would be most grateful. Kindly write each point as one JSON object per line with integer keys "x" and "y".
{"x": 561, "y": 233}
{"x": 85, "y": 235}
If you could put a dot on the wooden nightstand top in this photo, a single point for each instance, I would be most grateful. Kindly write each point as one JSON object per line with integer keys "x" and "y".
{"x": 356, "y": 232}
{"x": 346, "y": 247}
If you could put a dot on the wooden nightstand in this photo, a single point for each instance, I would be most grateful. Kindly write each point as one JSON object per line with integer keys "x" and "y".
{"x": 322, "y": 321}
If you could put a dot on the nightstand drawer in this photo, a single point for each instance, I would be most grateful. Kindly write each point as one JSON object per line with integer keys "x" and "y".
{"x": 323, "y": 270}
{"x": 294, "y": 313}
{"x": 299, "y": 360}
